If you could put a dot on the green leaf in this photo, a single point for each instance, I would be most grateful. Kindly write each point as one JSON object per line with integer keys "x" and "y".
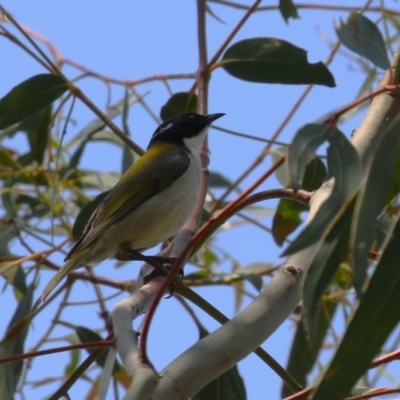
{"x": 303, "y": 353}
{"x": 287, "y": 216}
{"x": 314, "y": 175}
{"x": 271, "y": 60}
{"x": 249, "y": 273}
{"x": 199, "y": 274}
{"x": 39, "y": 135}
{"x": 217, "y": 180}
{"x": 364, "y": 38}
{"x": 179, "y": 103}
{"x": 323, "y": 265}
{"x": 209, "y": 257}
{"x": 19, "y": 282}
{"x": 282, "y": 173}
{"x": 372, "y": 199}
{"x": 13, "y": 344}
{"x": 303, "y": 149}
{"x": 288, "y": 10}
{"x": 85, "y": 214}
{"x": 286, "y": 219}
{"x": 228, "y": 386}
{"x": 395, "y": 188}
{"x": 370, "y": 326}
{"x": 343, "y": 164}
{"x": 129, "y": 157}
{"x": 29, "y": 97}
{"x": 87, "y": 336}
{"x": 74, "y": 362}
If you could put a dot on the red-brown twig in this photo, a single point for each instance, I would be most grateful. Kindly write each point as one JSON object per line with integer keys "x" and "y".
{"x": 24, "y": 356}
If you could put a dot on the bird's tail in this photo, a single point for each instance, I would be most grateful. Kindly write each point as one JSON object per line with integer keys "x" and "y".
{"x": 75, "y": 262}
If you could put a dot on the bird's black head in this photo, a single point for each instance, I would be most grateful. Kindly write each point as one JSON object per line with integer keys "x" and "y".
{"x": 182, "y": 128}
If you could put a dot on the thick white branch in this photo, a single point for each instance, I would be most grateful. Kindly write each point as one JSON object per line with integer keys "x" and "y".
{"x": 144, "y": 378}
{"x": 232, "y": 342}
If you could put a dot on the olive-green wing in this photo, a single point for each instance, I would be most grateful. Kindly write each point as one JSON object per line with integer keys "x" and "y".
{"x": 156, "y": 170}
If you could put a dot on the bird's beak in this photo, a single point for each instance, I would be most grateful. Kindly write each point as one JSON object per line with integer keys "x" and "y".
{"x": 212, "y": 117}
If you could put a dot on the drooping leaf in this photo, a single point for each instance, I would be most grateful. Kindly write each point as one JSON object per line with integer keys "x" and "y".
{"x": 38, "y": 136}
{"x": 86, "y": 336}
{"x": 287, "y": 216}
{"x": 363, "y": 37}
{"x": 74, "y": 362}
{"x": 314, "y": 175}
{"x": 12, "y": 344}
{"x": 395, "y": 188}
{"x": 344, "y": 166}
{"x": 288, "y": 10}
{"x": 228, "y": 386}
{"x": 209, "y": 257}
{"x": 179, "y": 103}
{"x": 29, "y": 97}
{"x": 128, "y": 156}
{"x": 217, "y": 180}
{"x": 271, "y": 60}
{"x": 85, "y": 214}
{"x": 370, "y": 326}
{"x": 19, "y": 282}
{"x": 282, "y": 172}
{"x": 372, "y": 199}
{"x": 323, "y": 265}
{"x": 286, "y": 219}
{"x": 250, "y": 273}
{"x": 304, "y": 353}
{"x": 303, "y": 149}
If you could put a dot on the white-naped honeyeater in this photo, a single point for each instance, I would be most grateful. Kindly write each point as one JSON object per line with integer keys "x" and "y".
{"x": 151, "y": 201}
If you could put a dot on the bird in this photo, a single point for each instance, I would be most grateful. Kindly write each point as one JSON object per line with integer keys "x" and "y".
{"x": 150, "y": 203}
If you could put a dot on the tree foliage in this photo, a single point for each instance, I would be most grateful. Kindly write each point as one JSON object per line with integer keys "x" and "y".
{"x": 350, "y": 238}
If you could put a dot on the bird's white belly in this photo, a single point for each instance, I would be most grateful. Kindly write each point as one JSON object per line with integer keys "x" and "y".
{"x": 160, "y": 217}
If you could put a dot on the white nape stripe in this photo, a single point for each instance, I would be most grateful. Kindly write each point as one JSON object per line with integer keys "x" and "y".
{"x": 164, "y": 128}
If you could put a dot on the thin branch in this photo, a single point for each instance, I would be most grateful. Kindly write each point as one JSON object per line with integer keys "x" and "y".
{"x": 34, "y": 354}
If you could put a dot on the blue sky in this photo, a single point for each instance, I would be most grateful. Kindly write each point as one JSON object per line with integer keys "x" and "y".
{"x": 135, "y": 39}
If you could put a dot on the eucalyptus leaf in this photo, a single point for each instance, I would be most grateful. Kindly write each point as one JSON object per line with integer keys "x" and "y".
{"x": 88, "y": 336}
{"x": 272, "y": 60}
{"x": 344, "y": 165}
{"x": 372, "y": 199}
{"x": 363, "y": 37}
{"x": 303, "y": 353}
{"x": 13, "y": 343}
{"x": 288, "y": 10}
{"x": 323, "y": 265}
{"x": 179, "y": 103}
{"x": 369, "y": 328}
{"x": 30, "y": 96}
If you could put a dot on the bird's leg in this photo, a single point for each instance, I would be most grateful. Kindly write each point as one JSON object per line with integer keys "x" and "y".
{"x": 158, "y": 263}
{"x": 161, "y": 265}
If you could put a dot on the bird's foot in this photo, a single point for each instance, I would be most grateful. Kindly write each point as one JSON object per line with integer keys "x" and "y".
{"x": 155, "y": 273}
{"x": 161, "y": 265}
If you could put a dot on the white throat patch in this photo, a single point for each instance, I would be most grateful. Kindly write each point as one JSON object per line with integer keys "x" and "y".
{"x": 195, "y": 142}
